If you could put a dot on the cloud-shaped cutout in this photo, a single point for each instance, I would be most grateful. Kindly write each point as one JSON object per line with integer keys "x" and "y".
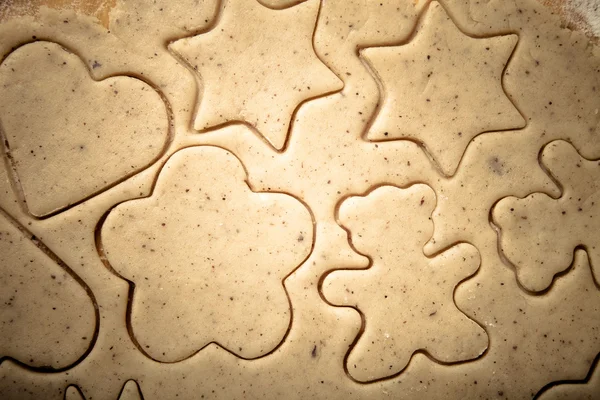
{"x": 539, "y": 234}
{"x": 207, "y": 257}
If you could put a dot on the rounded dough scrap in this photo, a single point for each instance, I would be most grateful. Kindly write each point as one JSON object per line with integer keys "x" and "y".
{"x": 208, "y": 257}
{"x": 69, "y": 136}
{"x": 47, "y": 319}
{"x": 406, "y": 299}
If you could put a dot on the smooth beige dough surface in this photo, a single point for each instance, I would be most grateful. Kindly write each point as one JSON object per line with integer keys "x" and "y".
{"x": 208, "y": 257}
{"x": 440, "y": 87}
{"x": 69, "y": 136}
{"x": 249, "y": 72}
{"x": 313, "y": 153}
{"x": 538, "y": 234}
{"x": 47, "y": 317}
{"x": 406, "y": 299}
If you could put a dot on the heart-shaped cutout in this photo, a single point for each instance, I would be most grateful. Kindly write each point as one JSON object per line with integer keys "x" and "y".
{"x": 70, "y": 137}
{"x": 49, "y": 316}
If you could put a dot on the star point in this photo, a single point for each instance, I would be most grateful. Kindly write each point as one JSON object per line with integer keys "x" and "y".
{"x": 259, "y": 69}
{"x": 442, "y": 88}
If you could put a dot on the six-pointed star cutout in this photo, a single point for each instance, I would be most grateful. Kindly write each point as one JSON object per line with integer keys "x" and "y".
{"x": 442, "y": 88}
{"x": 257, "y": 69}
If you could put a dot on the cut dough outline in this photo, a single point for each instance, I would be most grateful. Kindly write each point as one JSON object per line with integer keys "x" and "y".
{"x": 50, "y": 254}
{"x": 131, "y": 285}
{"x": 595, "y": 367}
{"x": 137, "y": 385}
{"x": 369, "y": 265}
{"x": 252, "y": 128}
{"x": 76, "y": 388}
{"x": 496, "y": 227}
{"x": 382, "y": 92}
{"x": 79, "y": 391}
{"x": 5, "y": 148}
{"x": 284, "y": 4}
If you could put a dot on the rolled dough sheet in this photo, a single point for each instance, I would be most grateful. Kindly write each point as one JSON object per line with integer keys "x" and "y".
{"x": 241, "y": 199}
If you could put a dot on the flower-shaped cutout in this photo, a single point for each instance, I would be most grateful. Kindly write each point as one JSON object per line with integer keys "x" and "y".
{"x": 70, "y": 136}
{"x": 538, "y": 234}
{"x": 405, "y": 299}
{"x": 207, "y": 257}
{"x": 440, "y": 87}
{"x": 241, "y": 83}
